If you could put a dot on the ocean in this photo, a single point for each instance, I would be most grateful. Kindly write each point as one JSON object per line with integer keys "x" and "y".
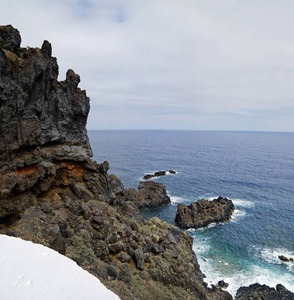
{"x": 254, "y": 169}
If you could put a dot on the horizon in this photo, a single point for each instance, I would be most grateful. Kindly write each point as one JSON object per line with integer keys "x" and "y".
{"x": 158, "y": 66}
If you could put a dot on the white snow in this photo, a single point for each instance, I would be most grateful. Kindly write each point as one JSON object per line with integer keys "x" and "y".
{"x": 31, "y": 271}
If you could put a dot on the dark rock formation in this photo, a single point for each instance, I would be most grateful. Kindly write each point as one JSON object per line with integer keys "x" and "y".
{"x": 52, "y": 193}
{"x": 222, "y": 284}
{"x": 286, "y": 259}
{"x": 150, "y": 194}
{"x": 263, "y": 292}
{"x": 203, "y": 212}
{"x": 158, "y": 174}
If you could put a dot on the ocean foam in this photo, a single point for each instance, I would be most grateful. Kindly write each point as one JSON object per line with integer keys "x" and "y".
{"x": 175, "y": 200}
{"x": 218, "y": 268}
{"x": 271, "y": 256}
{"x": 237, "y": 215}
{"x": 243, "y": 203}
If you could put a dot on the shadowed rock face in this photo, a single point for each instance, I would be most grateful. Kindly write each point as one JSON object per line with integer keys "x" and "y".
{"x": 52, "y": 193}
{"x": 36, "y": 109}
{"x": 203, "y": 212}
{"x": 150, "y": 194}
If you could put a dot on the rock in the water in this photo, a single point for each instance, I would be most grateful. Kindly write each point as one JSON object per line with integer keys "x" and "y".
{"x": 150, "y": 194}
{"x": 286, "y": 259}
{"x": 203, "y": 212}
{"x": 263, "y": 292}
{"x": 158, "y": 174}
{"x": 222, "y": 284}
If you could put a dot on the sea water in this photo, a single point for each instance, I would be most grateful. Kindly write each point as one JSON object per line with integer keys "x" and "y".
{"x": 255, "y": 170}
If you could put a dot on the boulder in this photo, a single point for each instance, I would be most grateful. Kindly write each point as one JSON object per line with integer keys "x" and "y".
{"x": 150, "y": 194}
{"x": 203, "y": 212}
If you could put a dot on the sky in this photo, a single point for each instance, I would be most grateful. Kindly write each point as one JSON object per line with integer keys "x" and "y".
{"x": 32, "y": 272}
{"x": 171, "y": 64}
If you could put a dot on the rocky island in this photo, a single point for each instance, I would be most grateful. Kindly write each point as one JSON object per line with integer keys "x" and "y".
{"x": 53, "y": 193}
{"x": 203, "y": 212}
{"x": 158, "y": 174}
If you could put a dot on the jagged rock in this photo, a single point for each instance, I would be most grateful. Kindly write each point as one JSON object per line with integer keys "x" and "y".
{"x": 222, "y": 284}
{"x": 52, "y": 193}
{"x": 263, "y": 292}
{"x": 150, "y": 194}
{"x": 139, "y": 256}
{"x": 203, "y": 212}
{"x": 158, "y": 174}
{"x": 285, "y": 259}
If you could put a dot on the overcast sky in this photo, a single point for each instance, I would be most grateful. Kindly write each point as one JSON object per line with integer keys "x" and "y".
{"x": 171, "y": 64}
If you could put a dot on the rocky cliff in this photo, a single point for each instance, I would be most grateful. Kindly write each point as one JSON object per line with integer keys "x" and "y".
{"x": 52, "y": 193}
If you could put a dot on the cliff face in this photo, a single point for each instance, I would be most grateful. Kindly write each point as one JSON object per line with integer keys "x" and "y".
{"x": 52, "y": 193}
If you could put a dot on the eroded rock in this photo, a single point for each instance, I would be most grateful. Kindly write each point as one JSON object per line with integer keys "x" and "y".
{"x": 203, "y": 212}
{"x": 150, "y": 194}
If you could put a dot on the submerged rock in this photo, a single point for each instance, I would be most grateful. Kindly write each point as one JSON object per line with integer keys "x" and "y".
{"x": 150, "y": 194}
{"x": 203, "y": 212}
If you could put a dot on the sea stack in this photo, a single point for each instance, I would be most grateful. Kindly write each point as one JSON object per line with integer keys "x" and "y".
{"x": 203, "y": 212}
{"x": 52, "y": 193}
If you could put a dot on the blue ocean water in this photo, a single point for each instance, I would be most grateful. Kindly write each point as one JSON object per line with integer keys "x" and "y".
{"x": 255, "y": 170}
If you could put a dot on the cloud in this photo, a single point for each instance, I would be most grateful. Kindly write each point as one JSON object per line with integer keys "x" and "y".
{"x": 171, "y": 64}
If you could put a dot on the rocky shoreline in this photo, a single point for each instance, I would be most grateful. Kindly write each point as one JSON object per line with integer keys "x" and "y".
{"x": 53, "y": 193}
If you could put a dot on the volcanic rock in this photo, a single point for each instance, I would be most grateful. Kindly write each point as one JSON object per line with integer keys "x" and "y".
{"x": 52, "y": 193}
{"x": 158, "y": 174}
{"x": 150, "y": 194}
{"x": 203, "y": 212}
{"x": 263, "y": 292}
{"x": 286, "y": 259}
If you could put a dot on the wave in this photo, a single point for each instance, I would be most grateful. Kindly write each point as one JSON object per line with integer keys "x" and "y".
{"x": 271, "y": 256}
{"x": 237, "y": 215}
{"x": 243, "y": 203}
{"x": 216, "y": 269}
{"x": 175, "y": 200}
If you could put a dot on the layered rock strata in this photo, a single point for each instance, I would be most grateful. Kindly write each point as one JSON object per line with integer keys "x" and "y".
{"x": 150, "y": 194}
{"x": 203, "y": 212}
{"x": 52, "y": 193}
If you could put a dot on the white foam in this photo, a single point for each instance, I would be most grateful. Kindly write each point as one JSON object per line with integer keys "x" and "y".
{"x": 218, "y": 268}
{"x": 237, "y": 215}
{"x": 271, "y": 256}
{"x": 176, "y": 200}
{"x": 243, "y": 203}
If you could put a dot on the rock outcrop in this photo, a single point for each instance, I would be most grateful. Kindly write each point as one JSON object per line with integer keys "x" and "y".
{"x": 150, "y": 194}
{"x": 52, "y": 193}
{"x": 286, "y": 259}
{"x": 203, "y": 212}
{"x": 263, "y": 292}
{"x": 158, "y": 174}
